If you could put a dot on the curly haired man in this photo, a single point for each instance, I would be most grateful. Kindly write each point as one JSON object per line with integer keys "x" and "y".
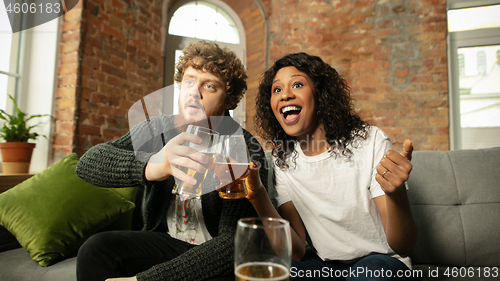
{"x": 212, "y": 81}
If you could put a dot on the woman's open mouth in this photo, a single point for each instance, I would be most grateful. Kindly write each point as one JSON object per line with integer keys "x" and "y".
{"x": 290, "y": 113}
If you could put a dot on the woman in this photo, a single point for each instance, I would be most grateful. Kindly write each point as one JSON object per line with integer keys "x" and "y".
{"x": 337, "y": 177}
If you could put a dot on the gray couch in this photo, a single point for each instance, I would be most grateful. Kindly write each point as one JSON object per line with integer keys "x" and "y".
{"x": 455, "y": 198}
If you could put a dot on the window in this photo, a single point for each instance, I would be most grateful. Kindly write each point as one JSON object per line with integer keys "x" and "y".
{"x": 8, "y": 59}
{"x": 204, "y": 20}
{"x": 461, "y": 65}
{"x": 481, "y": 62}
{"x": 192, "y": 21}
{"x": 27, "y": 72}
{"x": 477, "y": 17}
{"x": 474, "y": 73}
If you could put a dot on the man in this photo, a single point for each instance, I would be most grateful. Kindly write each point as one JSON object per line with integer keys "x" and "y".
{"x": 212, "y": 81}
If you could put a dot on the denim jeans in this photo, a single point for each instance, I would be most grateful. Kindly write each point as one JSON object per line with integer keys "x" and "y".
{"x": 371, "y": 267}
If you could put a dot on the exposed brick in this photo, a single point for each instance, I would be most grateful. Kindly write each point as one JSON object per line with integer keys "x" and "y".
{"x": 66, "y": 103}
{"x": 113, "y": 32}
{"x": 74, "y": 14}
{"x": 117, "y": 4}
{"x": 401, "y": 72}
{"x": 69, "y": 80}
{"x": 107, "y": 68}
{"x": 66, "y": 92}
{"x": 121, "y": 58}
{"x": 66, "y": 69}
{"x": 89, "y": 130}
{"x": 71, "y": 57}
{"x": 438, "y": 139}
{"x": 63, "y": 140}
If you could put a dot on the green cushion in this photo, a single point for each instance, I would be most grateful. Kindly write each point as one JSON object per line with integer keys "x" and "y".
{"x": 52, "y": 213}
{"x": 124, "y": 222}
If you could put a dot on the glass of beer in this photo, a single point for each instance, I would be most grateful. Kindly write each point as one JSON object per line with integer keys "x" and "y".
{"x": 232, "y": 166}
{"x": 210, "y": 146}
{"x": 263, "y": 249}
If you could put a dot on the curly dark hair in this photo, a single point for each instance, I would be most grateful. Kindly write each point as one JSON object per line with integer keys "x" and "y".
{"x": 221, "y": 62}
{"x": 334, "y": 107}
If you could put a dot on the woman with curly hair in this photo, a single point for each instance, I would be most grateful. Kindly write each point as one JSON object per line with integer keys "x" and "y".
{"x": 337, "y": 177}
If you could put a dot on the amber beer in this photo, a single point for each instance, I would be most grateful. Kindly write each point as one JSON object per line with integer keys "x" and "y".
{"x": 187, "y": 190}
{"x": 232, "y": 176}
{"x": 259, "y": 271}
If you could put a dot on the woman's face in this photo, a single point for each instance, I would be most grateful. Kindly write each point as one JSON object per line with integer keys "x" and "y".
{"x": 292, "y": 101}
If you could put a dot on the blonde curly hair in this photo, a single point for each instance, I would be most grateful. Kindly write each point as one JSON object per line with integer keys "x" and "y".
{"x": 221, "y": 62}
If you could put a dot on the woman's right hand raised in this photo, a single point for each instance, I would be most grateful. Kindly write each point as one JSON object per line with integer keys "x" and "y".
{"x": 174, "y": 155}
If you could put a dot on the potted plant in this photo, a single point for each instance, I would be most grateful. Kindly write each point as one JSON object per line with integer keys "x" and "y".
{"x": 16, "y": 150}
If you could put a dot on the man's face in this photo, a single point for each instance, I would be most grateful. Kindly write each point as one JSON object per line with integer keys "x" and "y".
{"x": 202, "y": 95}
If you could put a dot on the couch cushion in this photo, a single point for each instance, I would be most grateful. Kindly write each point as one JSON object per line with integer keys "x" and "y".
{"x": 477, "y": 174}
{"x": 455, "y": 199}
{"x": 54, "y": 212}
{"x": 17, "y": 265}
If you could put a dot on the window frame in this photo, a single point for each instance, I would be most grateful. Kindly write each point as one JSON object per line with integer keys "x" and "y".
{"x": 464, "y": 39}
{"x": 34, "y": 58}
{"x": 14, "y": 72}
{"x": 481, "y": 62}
{"x": 174, "y": 42}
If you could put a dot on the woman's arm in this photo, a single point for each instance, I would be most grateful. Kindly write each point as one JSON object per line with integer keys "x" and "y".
{"x": 394, "y": 208}
{"x": 259, "y": 198}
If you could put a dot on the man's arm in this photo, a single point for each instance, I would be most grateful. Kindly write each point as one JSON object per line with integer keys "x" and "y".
{"x": 214, "y": 257}
{"x": 112, "y": 164}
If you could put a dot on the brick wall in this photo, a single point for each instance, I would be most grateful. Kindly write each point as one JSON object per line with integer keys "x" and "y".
{"x": 392, "y": 53}
{"x": 121, "y": 62}
{"x": 111, "y": 56}
{"x": 68, "y": 86}
{"x": 254, "y": 23}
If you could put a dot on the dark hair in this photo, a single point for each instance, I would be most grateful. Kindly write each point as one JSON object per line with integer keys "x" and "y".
{"x": 334, "y": 108}
{"x": 221, "y": 62}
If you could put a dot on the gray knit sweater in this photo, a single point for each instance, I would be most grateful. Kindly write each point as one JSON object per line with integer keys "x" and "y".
{"x": 115, "y": 164}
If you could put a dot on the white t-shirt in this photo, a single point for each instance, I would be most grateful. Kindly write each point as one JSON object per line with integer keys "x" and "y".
{"x": 334, "y": 198}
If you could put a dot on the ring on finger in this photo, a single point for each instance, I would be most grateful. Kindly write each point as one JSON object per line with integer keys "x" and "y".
{"x": 383, "y": 174}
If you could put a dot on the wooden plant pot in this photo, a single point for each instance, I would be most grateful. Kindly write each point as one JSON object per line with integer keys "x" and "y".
{"x": 16, "y": 157}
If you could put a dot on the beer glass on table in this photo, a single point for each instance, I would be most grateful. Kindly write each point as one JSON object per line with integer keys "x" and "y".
{"x": 210, "y": 146}
{"x": 232, "y": 166}
{"x": 263, "y": 249}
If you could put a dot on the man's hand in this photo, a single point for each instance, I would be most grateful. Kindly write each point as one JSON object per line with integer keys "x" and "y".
{"x": 394, "y": 168}
{"x": 175, "y": 155}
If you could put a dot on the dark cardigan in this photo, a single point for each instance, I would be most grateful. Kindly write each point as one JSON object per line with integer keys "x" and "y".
{"x": 115, "y": 164}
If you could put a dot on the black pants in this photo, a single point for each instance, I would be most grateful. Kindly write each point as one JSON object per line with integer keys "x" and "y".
{"x": 126, "y": 253}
